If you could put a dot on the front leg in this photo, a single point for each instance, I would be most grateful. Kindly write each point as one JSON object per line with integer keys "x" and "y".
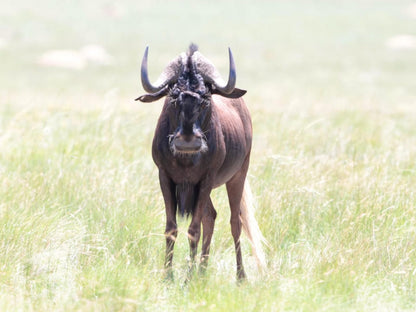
{"x": 171, "y": 231}
{"x": 194, "y": 231}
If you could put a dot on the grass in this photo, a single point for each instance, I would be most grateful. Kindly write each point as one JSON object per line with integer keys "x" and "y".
{"x": 333, "y": 170}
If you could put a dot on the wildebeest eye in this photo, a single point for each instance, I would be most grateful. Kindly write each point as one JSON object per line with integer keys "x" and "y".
{"x": 205, "y": 103}
{"x": 173, "y": 102}
{"x": 174, "y": 91}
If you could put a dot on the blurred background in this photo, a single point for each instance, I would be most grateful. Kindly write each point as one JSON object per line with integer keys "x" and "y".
{"x": 288, "y": 53}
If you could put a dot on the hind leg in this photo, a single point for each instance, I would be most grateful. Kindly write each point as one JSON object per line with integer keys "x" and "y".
{"x": 208, "y": 221}
{"x": 235, "y": 189}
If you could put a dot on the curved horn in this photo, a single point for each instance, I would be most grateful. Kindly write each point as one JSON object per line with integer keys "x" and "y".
{"x": 170, "y": 73}
{"x": 210, "y": 74}
{"x": 232, "y": 77}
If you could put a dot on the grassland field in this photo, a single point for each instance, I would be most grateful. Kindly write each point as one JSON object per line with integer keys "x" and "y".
{"x": 333, "y": 163}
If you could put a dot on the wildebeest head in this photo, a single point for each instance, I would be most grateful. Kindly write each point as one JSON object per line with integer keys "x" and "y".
{"x": 188, "y": 82}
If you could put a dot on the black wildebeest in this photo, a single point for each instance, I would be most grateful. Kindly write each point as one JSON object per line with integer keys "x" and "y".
{"x": 202, "y": 140}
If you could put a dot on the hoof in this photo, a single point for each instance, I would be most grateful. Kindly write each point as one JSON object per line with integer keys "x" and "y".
{"x": 168, "y": 276}
{"x": 241, "y": 277}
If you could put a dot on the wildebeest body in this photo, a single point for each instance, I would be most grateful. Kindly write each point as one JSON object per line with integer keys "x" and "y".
{"x": 227, "y": 147}
{"x": 202, "y": 140}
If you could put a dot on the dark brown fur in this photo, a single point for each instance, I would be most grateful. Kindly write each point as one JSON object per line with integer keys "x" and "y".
{"x": 223, "y": 124}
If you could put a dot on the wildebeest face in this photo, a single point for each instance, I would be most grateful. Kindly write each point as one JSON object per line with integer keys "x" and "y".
{"x": 190, "y": 112}
{"x": 188, "y": 83}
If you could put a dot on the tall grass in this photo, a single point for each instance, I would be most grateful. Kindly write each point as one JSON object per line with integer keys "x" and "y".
{"x": 333, "y": 170}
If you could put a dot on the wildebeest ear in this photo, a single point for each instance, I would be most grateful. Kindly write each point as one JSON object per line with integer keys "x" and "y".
{"x": 148, "y": 98}
{"x": 233, "y": 95}
{"x": 151, "y": 97}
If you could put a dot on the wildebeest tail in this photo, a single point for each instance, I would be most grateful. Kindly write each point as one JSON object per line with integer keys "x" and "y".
{"x": 250, "y": 226}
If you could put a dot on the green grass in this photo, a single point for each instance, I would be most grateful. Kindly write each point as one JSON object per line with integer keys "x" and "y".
{"x": 333, "y": 164}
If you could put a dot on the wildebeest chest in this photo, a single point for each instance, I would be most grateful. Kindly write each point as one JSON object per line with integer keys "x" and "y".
{"x": 226, "y": 147}
{"x": 187, "y": 171}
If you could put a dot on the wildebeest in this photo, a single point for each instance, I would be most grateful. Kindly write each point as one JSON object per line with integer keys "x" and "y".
{"x": 202, "y": 140}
